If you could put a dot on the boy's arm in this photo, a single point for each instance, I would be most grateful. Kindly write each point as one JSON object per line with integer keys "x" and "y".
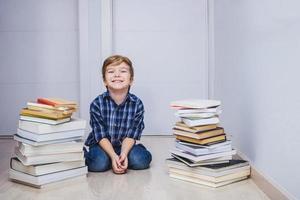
{"x": 127, "y": 144}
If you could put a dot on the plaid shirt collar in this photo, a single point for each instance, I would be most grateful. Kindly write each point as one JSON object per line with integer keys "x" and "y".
{"x": 128, "y": 97}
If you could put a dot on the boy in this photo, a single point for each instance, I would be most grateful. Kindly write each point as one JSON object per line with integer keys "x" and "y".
{"x": 116, "y": 122}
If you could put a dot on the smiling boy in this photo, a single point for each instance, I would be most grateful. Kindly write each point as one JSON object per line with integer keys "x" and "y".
{"x": 116, "y": 119}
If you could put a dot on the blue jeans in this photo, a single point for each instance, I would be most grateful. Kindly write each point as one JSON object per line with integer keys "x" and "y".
{"x": 98, "y": 160}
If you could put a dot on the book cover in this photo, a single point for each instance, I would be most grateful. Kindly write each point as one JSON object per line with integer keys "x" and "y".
{"x": 41, "y": 143}
{"x": 40, "y": 128}
{"x": 50, "y": 158}
{"x": 205, "y": 183}
{"x": 66, "y": 147}
{"x": 202, "y": 151}
{"x": 195, "y": 103}
{"x": 200, "y": 122}
{"x": 47, "y": 178}
{"x": 190, "y": 163}
{"x": 42, "y": 169}
{"x": 50, "y": 136}
{"x": 227, "y": 177}
{"x": 200, "y": 135}
{"x": 182, "y": 126}
{"x": 58, "y": 102}
{"x": 204, "y": 170}
{"x": 48, "y": 115}
{"x": 44, "y": 120}
{"x": 202, "y": 157}
{"x": 219, "y": 138}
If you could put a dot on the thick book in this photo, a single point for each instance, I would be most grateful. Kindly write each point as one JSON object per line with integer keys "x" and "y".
{"x": 47, "y": 115}
{"x": 50, "y": 136}
{"x": 214, "y": 170}
{"x": 202, "y": 157}
{"x": 43, "y": 120}
{"x": 58, "y": 102}
{"x": 216, "y": 110}
{"x": 227, "y": 177}
{"x": 35, "y": 143}
{"x": 203, "y": 182}
{"x": 200, "y": 135}
{"x": 37, "y": 170}
{"x": 190, "y": 163}
{"x": 207, "y": 146}
{"x": 195, "y": 103}
{"x": 202, "y": 151}
{"x": 219, "y": 138}
{"x": 48, "y": 108}
{"x": 40, "y": 128}
{"x": 200, "y": 122}
{"x": 38, "y": 181}
{"x": 66, "y": 147}
{"x": 50, "y": 158}
{"x": 197, "y": 115}
{"x": 182, "y": 126}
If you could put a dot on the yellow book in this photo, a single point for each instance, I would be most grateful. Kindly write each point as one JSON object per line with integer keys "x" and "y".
{"x": 48, "y": 115}
{"x": 202, "y": 141}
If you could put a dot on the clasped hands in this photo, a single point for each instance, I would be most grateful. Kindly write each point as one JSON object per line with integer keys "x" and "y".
{"x": 119, "y": 163}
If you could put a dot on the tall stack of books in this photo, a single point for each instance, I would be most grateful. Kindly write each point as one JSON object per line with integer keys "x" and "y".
{"x": 202, "y": 152}
{"x": 50, "y": 144}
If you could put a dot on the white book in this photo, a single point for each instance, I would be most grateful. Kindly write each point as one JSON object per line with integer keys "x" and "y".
{"x": 202, "y": 157}
{"x": 195, "y": 103}
{"x": 200, "y": 122}
{"x": 51, "y": 158}
{"x": 212, "y": 146}
{"x": 203, "y": 182}
{"x": 43, "y": 120}
{"x": 216, "y": 110}
{"x": 197, "y": 151}
{"x": 41, "y": 169}
{"x": 50, "y": 136}
{"x": 219, "y": 160}
{"x": 196, "y": 115}
{"x": 213, "y": 170}
{"x": 48, "y": 178}
{"x": 66, "y": 147}
{"x": 227, "y": 177}
{"x": 40, "y": 128}
{"x": 35, "y": 143}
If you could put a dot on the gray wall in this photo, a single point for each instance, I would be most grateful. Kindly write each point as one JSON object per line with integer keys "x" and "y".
{"x": 38, "y": 54}
{"x": 169, "y": 53}
{"x": 257, "y": 61}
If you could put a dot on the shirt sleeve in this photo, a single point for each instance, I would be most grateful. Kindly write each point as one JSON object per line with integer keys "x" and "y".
{"x": 97, "y": 123}
{"x": 138, "y": 125}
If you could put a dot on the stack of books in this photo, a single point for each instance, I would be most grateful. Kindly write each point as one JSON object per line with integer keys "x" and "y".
{"x": 50, "y": 144}
{"x": 201, "y": 145}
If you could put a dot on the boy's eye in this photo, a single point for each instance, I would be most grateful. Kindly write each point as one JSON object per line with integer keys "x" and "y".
{"x": 110, "y": 71}
{"x": 124, "y": 71}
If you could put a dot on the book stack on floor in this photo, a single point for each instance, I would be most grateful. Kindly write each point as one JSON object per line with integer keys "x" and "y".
{"x": 50, "y": 144}
{"x": 202, "y": 153}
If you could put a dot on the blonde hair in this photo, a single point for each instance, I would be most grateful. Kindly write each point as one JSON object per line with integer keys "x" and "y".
{"x": 116, "y": 60}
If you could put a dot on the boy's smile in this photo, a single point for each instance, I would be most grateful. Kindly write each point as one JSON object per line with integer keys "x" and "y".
{"x": 118, "y": 77}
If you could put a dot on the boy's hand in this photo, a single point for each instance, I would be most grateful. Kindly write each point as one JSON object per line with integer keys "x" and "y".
{"x": 123, "y": 161}
{"x": 116, "y": 165}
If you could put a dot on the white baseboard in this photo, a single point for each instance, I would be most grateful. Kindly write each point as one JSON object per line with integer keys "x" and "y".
{"x": 273, "y": 190}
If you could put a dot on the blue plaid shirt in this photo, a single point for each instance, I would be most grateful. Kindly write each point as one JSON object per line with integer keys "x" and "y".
{"x": 115, "y": 122}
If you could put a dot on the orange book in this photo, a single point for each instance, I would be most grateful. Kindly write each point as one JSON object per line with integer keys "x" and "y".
{"x": 57, "y": 102}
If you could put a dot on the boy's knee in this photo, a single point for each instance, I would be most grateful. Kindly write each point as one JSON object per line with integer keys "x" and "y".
{"x": 98, "y": 164}
{"x": 97, "y": 160}
{"x": 139, "y": 158}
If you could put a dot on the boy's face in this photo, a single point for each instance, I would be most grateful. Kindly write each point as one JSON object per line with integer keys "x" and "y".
{"x": 117, "y": 77}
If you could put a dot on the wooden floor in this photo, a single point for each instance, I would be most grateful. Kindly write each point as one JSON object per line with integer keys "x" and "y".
{"x": 153, "y": 183}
